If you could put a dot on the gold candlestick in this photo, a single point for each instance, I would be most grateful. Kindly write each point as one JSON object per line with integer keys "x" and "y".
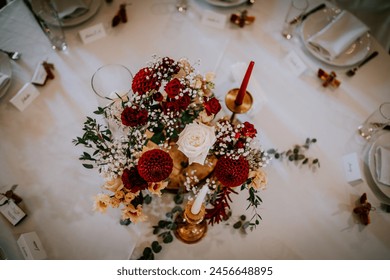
{"x": 238, "y": 109}
{"x": 191, "y": 228}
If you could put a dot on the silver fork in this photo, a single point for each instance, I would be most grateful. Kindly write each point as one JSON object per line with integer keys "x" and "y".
{"x": 12, "y": 55}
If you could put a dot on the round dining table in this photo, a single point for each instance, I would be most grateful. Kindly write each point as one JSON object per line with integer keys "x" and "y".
{"x": 306, "y": 211}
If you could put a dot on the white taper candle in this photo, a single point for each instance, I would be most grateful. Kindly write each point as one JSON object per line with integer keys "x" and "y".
{"x": 195, "y": 209}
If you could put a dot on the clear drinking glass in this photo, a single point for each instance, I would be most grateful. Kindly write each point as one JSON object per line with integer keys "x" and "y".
{"x": 51, "y": 24}
{"x": 293, "y": 17}
{"x": 110, "y": 82}
{"x": 376, "y": 121}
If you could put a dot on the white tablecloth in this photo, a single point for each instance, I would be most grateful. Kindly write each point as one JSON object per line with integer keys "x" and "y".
{"x": 305, "y": 214}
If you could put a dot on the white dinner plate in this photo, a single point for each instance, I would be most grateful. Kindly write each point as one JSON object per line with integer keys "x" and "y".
{"x": 93, "y": 5}
{"x": 317, "y": 21}
{"x": 5, "y": 68}
{"x": 227, "y": 3}
{"x": 382, "y": 140}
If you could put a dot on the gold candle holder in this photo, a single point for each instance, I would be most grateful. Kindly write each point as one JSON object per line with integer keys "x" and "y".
{"x": 238, "y": 109}
{"x": 191, "y": 228}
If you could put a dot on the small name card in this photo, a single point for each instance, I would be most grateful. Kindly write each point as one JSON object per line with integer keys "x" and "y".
{"x": 295, "y": 63}
{"x": 11, "y": 211}
{"x": 25, "y": 96}
{"x": 214, "y": 19}
{"x": 92, "y": 33}
{"x": 31, "y": 246}
{"x": 351, "y": 168}
{"x": 40, "y": 75}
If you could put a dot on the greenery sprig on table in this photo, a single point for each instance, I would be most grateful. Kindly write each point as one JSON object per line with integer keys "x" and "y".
{"x": 297, "y": 154}
{"x": 164, "y": 230}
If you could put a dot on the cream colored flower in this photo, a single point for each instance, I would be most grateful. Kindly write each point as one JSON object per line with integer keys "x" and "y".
{"x": 198, "y": 83}
{"x": 209, "y": 76}
{"x": 115, "y": 202}
{"x": 195, "y": 141}
{"x": 113, "y": 185}
{"x": 119, "y": 194}
{"x": 101, "y": 202}
{"x": 130, "y": 196}
{"x": 259, "y": 179}
{"x": 204, "y": 118}
{"x": 134, "y": 214}
{"x": 155, "y": 188}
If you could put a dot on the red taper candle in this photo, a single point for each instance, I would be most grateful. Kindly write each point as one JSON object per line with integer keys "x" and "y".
{"x": 244, "y": 84}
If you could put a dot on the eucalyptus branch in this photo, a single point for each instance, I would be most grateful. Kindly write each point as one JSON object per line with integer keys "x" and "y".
{"x": 297, "y": 154}
{"x": 164, "y": 230}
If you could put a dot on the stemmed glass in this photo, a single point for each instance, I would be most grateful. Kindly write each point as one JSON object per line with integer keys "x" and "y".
{"x": 110, "y": 82}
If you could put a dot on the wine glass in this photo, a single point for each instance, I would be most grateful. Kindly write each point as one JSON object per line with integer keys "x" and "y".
{"x": 110, "y": 82}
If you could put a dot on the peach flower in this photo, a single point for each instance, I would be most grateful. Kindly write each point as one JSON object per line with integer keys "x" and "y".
{"x": 259, "y": 179}
{"x": 134, "y": 214}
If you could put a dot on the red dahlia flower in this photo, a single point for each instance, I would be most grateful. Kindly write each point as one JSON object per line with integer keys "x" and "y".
{"x": 155, "y": 165}
{"x": 133, "y": 181}
{"x": 145, "y": 81}
{"x": 232, "y": 172}
{"x": 134, "y": 117}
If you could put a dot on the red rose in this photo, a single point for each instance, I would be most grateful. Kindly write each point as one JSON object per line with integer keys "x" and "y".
{"x": 212, "y": 106}
{"x": 133, "y": 181}
{"x": 184, "y": 101}
{"x": 168, "y": 66}
{"x": 170, "y": 106}
{"x": 134, "y": 117}
{"x": 249, "y": 130}
{"x": 158, "y": 96}
{"x": 173, "y": 87}
{"x": 240, "y": 144}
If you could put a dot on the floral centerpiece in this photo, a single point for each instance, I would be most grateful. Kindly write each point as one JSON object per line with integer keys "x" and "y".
{"x": 166, "y": 136}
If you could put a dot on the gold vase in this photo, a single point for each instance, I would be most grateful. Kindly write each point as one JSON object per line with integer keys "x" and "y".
{"x": 191, "y": 228}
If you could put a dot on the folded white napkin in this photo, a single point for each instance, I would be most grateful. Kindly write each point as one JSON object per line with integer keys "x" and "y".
{"x": 338, "y": 35}
{"x": 382, "y": 165}
{"x": 70, "y": 8}
{"x": 4, "y": 80}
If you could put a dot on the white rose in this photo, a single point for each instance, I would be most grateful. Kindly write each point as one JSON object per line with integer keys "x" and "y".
{"x": 195, "y": 141}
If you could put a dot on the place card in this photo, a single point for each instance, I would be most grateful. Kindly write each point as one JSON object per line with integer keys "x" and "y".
{"x": 11, "y": 211}
{"x": 214, "y": 19}
{"x": 351, "y": 168}
{"x": 295, "y": 63}
{"x": 31, "y": 246}
{"x": 25, "y": 96}
{"x": 40, "y": 75}
{"x": 92, "y": 33}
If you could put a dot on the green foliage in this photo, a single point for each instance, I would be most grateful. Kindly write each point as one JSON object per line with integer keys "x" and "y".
{"x": 297, "y": 154}
{"x": 243, "y": 224}
{"x": 95, "y": 137}
{"x": 164, "y": 231}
